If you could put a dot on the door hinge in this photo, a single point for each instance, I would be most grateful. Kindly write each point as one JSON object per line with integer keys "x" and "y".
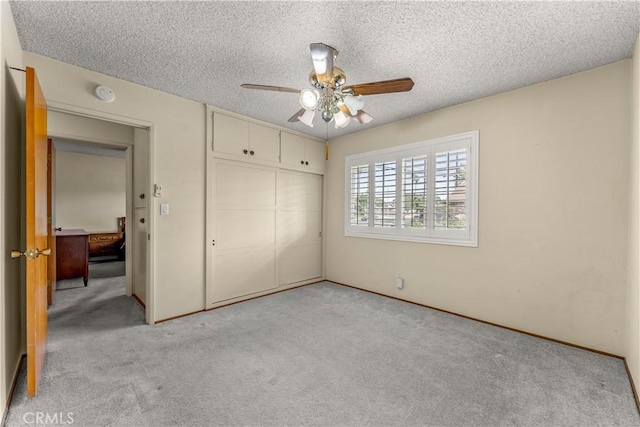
{"x": 148, "y": 236}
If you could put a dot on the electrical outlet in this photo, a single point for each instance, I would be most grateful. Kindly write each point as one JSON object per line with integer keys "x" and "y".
{"x": 399, "y": 282}
{"x": 157, "y": 190}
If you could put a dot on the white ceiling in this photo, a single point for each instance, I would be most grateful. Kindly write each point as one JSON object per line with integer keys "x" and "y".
{"x": 454, "y": 51}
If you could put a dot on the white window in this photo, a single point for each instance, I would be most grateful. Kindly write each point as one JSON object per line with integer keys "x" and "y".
{"x": 421, "y": 192}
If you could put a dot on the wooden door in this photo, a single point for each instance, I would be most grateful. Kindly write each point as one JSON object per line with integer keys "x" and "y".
{"x": 51, "y": 261}
{"x": 36, "y": 230}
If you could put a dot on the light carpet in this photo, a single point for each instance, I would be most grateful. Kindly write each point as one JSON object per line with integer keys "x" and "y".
{"x": 322, "y": 354}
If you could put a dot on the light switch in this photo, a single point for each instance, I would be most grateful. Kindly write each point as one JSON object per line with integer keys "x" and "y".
{"x": 164, "y": 209}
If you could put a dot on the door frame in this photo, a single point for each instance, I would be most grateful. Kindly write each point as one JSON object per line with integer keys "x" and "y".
{"x": 150, "y": 127}
{"x": 51, "y": 260}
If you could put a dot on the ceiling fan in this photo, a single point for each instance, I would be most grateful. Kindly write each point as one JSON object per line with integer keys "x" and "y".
{"x": 330, "y": 96}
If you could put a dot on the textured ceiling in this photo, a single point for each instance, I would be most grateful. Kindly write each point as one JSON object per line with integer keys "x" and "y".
{"x": 454, "y": 51}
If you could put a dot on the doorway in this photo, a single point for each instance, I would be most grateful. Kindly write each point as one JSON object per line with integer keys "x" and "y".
{"x": 101, "y": 170}
{"x": 88, "y": 211}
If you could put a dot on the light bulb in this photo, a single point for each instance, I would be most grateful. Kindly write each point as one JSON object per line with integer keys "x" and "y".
{"x": 307, "y": 118}
{"x": 309, "y": 99}
{"x": 354, "y": 103}
{"x": 341, "y": 119}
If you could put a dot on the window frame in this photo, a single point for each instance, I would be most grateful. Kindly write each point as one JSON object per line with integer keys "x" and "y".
{"x": 467, "y": 237}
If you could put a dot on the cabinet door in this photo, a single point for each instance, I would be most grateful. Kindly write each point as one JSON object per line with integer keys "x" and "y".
{"x": 315, "y": 154}
{"x": 299, "y": 226}
{"x": 243, "y": 273}
{"x": 301, "y": 263}
{"x": 292, "y": 149}
{"x": 230, "y": 135}
{"x": 244, "y": 221}
{"x": 264, "y": 143}
{"x": 303, "y": 153}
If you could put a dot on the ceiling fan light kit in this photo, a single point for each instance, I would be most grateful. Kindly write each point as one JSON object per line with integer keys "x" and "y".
{"x": 309, "y": 99}
{"x": 330, "y": 96}
{"x": 307, "y": 117}
{"x": 354, "y": 103}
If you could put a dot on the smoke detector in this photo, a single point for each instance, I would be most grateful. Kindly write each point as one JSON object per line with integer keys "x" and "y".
{"x": 104, "y": 93}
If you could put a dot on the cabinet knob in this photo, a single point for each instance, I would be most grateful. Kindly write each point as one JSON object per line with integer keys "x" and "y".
{"x": 142, "y": 220}
{"x": 245, "y": 151}
{"x": 251, "y": 152}
{"x": 142, "y": 196}
{"x": 302, "y": 162}
{"x": 306, "y": 163}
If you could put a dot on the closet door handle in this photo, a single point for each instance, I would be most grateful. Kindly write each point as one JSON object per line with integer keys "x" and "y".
{"x": 302, "y": 162}
{"x": 142, "y": 220}
{"x": 245, "y": 151}
{"x": 306, "y": 163}
{"x": 251, "y": 152}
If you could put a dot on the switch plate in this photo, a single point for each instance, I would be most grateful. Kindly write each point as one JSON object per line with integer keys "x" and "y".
{"x": 164, "y": 209}
{"x": 399, "y": 282}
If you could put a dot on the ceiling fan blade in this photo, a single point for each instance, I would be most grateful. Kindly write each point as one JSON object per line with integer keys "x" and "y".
{"x": 296, "y": 116}
{"x": 273, "y": 88}
{"x": 384, "y": 86}
{"x": 322, "y": 56}
{"x": 362, "y": 117}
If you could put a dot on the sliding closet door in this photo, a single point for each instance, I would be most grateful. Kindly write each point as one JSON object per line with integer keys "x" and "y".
{"x": 244, "y": 251}
{"x": 299, "y": 226}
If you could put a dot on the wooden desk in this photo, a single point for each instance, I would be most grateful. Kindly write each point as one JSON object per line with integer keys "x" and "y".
{"x": 72, "y": 254}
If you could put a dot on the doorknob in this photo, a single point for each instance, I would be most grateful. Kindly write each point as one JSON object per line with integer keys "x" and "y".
{"x": 142, "y": 220}
{"x": 31, "y": 253}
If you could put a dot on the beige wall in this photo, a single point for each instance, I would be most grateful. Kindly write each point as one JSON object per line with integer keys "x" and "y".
{"x": 553, "y": 182}
{"x": 554, "y": 186}
{"x": 69, "y": 126}
{"x": 633, "y": 298}
{"x": 11, "y": 106}
{"x": 178, "y": 154}
{"x": 90, "y": 191}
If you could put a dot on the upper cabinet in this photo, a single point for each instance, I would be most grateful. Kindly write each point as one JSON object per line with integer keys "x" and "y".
{"x": 242, "y": 138}
{"x": 302, "y": 153}
{"x": 237, "y": 139}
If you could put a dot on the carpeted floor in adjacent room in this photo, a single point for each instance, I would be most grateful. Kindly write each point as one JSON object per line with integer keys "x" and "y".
{"x": 322, "y": 354}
